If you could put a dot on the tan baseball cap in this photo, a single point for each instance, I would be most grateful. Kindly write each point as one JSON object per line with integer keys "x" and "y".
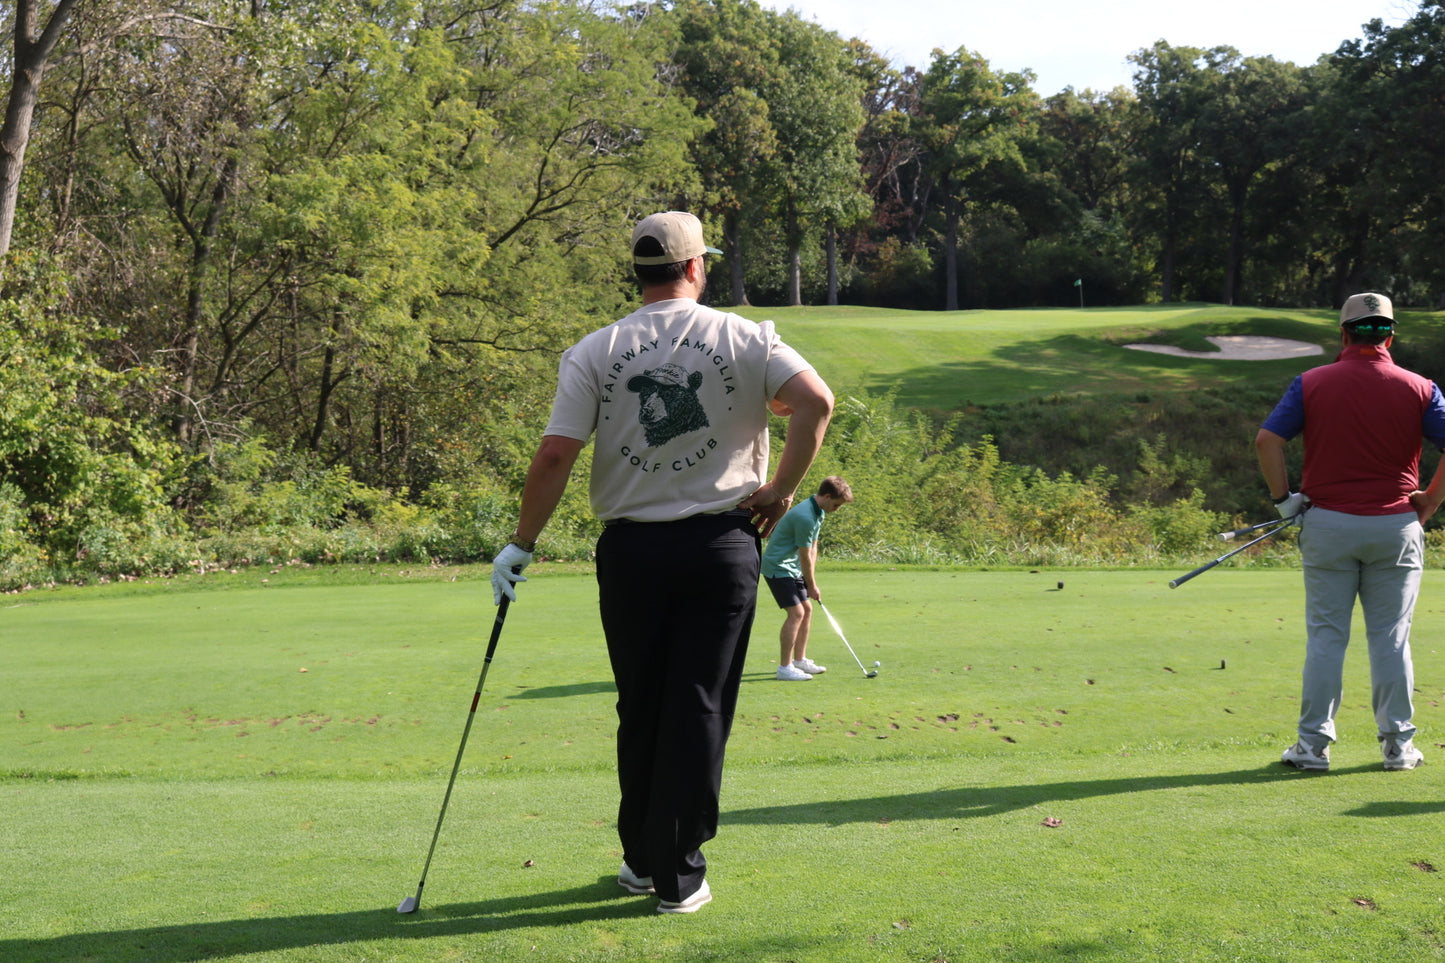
{"x": 668, "y": 237}
{"x": 1361, "y": 307}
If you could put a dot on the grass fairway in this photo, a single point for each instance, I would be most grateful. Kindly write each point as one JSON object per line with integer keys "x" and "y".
{"x": 175, "y": 788}
{"x": 943, "y": 360}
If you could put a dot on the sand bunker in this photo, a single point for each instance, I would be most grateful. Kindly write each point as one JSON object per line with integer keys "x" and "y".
{"x": 1240, "y": 347}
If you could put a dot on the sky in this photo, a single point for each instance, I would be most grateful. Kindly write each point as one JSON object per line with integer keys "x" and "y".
{"x": 1073, "y": 43}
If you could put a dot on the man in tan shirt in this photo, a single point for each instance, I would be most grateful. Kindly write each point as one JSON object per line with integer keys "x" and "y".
{"x": 677, "y": 395}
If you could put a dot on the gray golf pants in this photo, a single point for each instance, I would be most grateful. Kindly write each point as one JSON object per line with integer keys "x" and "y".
{"x": 1377, "y": 558}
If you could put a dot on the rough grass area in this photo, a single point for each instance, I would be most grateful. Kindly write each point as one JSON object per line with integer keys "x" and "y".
{"x": 1085, "y": 772}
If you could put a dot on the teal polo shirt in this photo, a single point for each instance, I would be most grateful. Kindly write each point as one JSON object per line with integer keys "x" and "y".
{"x": 795, "y": 530}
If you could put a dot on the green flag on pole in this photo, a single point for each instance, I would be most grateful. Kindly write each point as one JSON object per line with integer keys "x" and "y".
{"x": 1079, "y": 283}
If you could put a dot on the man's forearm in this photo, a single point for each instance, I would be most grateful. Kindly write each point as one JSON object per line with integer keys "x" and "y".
{"x": 1270, "y": 449}
{"x": 1426, "y": 503}
{"x": 811, "y": 403}
{"x": 808, "y": 562}
{"x": 546, "y": 482}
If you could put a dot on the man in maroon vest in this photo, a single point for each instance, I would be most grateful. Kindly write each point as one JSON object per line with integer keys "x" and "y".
{"x": 1362, "y": 515}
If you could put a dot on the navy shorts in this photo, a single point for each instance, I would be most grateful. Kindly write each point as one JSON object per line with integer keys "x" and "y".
{"x": 788, "y": 591}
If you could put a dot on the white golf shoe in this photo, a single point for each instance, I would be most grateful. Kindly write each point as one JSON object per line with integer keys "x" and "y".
{"x": 791, "y": 673}
{"x": 810, "y": 667}
{"x": 1302, "y": 756}
{"x": 690, "y": 905}
{"x": 1401, "y": 755}
{"x": 633, "y": 883}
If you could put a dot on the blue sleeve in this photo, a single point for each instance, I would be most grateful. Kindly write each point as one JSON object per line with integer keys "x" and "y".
{"x": 1432, "y": 423}
{"x": 1288, "y": 418}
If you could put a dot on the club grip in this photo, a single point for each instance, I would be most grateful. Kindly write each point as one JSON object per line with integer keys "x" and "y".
{"x": 1175, "y": 583}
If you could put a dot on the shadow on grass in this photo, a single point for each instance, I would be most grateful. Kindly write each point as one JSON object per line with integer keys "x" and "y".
{"x": 564, "y": 691}
{"x": 600, "y": 688}
{"x": 188, "y": 942}
{"x": 1379, "y": 810}
{"x": 976, "y": 801}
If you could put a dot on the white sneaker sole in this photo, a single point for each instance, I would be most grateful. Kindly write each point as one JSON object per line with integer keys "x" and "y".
{"x": 692, "y": 904}
{"x": 1304, "y": 768}
{"x": 634, "y": 884}
{"x": 1305, "y": 763}
{"x": 1404, "y": 765}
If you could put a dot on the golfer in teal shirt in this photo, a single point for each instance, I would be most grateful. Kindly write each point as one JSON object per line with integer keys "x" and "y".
{"x": 790, "y": 568}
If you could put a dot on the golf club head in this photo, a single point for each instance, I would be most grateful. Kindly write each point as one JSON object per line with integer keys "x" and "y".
{"x": 1272, "y": 523}
{"x": 872, "y": 674}
{"x": 408, "y": 905}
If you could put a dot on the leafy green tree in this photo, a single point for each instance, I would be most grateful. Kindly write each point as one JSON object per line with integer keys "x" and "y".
{"x": 890, "y": 156}
{"x": 1085, "y": 143}
{"x": 1172, "y": 85}
{"x": 780, "y": 158}
{"x": 1252, "y": 122}
{"x": 1380, "y": 133}
{"x": 191, "y": 142}
{"x": 1093, "y": 144}
{"x": 884, "y": 150}
{"x": 79, "y": 471}
{"x": 971, "y": 118}
{"x": 358, "y": 225}
{"x": 726, "y": 55}
{"x": 816, "y": 105}
{"x": 590, "y": 130}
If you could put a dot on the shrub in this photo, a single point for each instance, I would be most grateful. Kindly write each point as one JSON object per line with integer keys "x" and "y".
{"x": 1180, "y": 527}
{"x": 79, "y": 474}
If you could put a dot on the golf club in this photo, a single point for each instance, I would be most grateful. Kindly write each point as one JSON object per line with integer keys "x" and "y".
{"x": 1284, "y": 523}
{"x": 1231, "y": 536}
{"x": 839, "y": 629}
{"x": 410, "y": 904}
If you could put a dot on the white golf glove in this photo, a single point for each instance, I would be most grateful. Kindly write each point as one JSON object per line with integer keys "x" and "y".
{"x": 507, "y": 571}
{"x": 1292, "y": 506}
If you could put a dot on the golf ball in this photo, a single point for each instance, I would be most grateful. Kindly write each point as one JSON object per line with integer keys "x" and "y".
{"x": 877, "y": 665}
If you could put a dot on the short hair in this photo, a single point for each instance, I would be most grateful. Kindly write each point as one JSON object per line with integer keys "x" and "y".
{"x": 669, "y": 272}
{"x": 1369, "y": 331}
{"x": 835, "y": 487}
{"x": 660, "y": 273}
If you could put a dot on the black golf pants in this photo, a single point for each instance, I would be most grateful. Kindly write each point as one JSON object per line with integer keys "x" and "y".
{"x": 677, "y": 602}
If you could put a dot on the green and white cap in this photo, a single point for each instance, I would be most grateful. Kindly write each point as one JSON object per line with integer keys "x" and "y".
{"x": 668, "y": 237}
{"x": 1367, "y": 311}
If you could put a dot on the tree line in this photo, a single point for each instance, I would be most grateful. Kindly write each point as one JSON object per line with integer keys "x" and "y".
{"x": 360, "y": 230}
